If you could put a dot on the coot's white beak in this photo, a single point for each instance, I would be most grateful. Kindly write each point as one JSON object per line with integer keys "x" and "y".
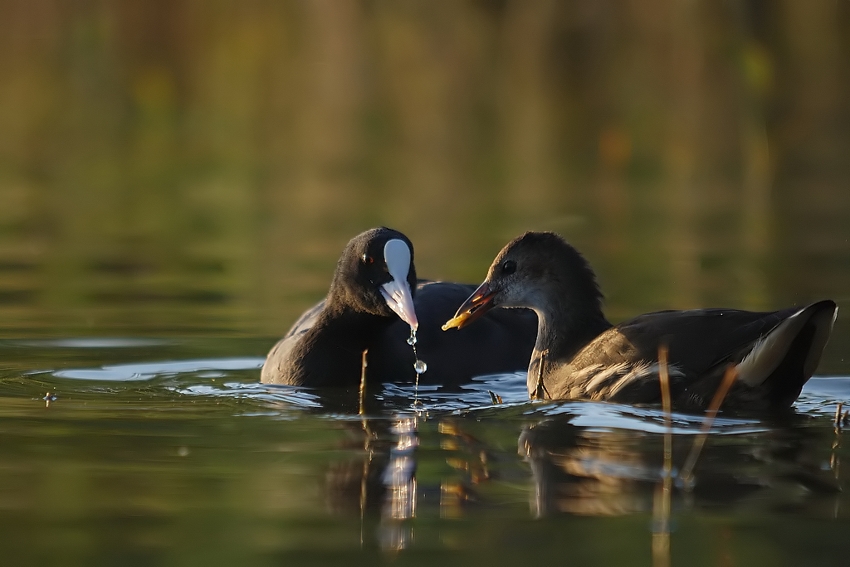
{"x": 397, "y": 292}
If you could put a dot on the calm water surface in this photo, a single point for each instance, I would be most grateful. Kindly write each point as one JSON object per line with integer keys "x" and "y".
{"x": 165, "y": 452}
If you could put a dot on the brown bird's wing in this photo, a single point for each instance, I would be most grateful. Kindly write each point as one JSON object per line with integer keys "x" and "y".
{"x": 622, "y": 363}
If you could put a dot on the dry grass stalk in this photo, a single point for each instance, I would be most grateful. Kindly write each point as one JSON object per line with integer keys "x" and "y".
{"x": 540, "y": 393}
{"x": 661, "y": 540}
{"x": 710, "y": 414}
{"x": 362, "y": 397}
{"x": 367, "y": 443}
{"x": 834, "y": 461}
{"x": 661, "y": 503}
{"x": 666, "y": 405}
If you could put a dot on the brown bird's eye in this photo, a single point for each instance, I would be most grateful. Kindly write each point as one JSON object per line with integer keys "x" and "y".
{"x": 508, "y": 267}
{"x": 368, "y": 260}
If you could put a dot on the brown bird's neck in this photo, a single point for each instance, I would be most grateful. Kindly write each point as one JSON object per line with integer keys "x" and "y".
{"x": 563, "y": 329}
{"x": 560, "y": 336}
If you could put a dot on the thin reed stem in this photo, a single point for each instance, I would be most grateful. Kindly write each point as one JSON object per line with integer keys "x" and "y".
{"x": 362, "y": 397}
{"x": 661, "y": 503}
{"x": 710, "y": 414}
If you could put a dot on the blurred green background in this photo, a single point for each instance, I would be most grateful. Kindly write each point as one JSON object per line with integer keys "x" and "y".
{"x": 195, "y": 167}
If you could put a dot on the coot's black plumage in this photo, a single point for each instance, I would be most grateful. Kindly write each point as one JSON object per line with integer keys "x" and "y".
{"x": 580, "y": 355}
{"x": 373, "y": 301}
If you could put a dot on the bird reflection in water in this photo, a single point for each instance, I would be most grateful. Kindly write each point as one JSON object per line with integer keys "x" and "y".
{"x": 585, "y": 471}
{"x": 383, "y": 480}
{"x": 577, "y": 470}
{"x": 399, "y": 481}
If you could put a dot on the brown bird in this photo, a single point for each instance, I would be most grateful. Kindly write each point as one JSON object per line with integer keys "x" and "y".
{"x": 580, "y": 355}
{"x": 373, "y": 302}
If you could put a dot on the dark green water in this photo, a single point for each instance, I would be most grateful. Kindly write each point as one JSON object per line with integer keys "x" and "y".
{"x": 177, "y": 180}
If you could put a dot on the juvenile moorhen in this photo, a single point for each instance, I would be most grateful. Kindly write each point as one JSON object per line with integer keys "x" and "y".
{"x": 580, "y": 355}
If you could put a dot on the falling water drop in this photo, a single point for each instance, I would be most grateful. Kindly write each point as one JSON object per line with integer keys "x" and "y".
{"x": 419, "y": 365}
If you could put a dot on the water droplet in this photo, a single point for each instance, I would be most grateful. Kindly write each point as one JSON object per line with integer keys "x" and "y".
{"x": 420, "y": 367}
{"x": 412, "y": 340}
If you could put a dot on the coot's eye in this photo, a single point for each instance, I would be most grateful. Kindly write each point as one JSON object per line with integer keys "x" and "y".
{"x": 508, "y": 267}
{"x": 368, "y": 260}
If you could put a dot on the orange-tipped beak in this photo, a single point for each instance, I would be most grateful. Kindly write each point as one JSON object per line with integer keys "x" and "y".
{"x": 479, "y": 303}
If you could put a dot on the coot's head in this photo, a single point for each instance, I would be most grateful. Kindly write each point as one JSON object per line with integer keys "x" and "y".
{"x": 376, "y": 275}
{"x": 538, "y": 270}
